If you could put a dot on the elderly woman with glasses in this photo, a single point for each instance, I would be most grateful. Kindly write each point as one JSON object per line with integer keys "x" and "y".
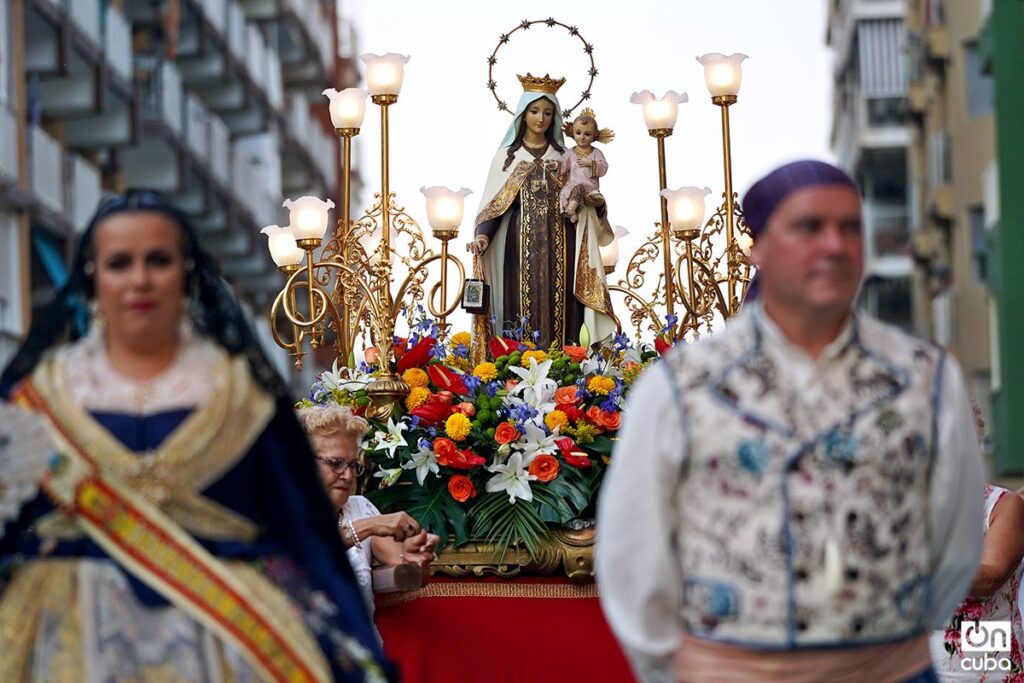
{"x": 371, "y": 538}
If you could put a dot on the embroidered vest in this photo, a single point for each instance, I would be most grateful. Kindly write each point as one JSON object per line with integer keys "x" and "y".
{"x": 805, "y": 523}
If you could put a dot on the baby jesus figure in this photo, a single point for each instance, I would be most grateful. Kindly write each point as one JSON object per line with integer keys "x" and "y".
{"x": 581, "y": 167}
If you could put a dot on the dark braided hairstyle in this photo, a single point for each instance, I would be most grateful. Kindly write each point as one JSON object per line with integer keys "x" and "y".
{"x": 518, "y": 142}
{"x": 215, "y": 310}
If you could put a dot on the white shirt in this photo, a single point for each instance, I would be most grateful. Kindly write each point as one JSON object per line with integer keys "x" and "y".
{"x": 361, "y": 559}
{"x": 637, "y": 568}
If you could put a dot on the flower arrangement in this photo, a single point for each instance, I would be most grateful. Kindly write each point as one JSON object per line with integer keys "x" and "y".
{"x": 500, "y": 450}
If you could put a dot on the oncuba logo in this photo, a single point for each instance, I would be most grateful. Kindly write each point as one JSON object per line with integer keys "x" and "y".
{"x": 985, "y": 638}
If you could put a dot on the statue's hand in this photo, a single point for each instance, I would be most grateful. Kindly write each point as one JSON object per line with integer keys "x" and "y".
{"x": 478, "y": 245}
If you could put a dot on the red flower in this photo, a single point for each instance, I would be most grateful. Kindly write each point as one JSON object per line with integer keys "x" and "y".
{"x": 544, "y": 467}
{"x": 417, "y": 356}
{"x": 399, "y": 347}
{"x": 661, "y": 345}
{"x": 461, "y": 488}
{"x": 572, "y": 456}
{"x": 609, "y": 419}
{"x": 445, "y": 449}
{"x": 502, "y": 346}
{"x": 435, "y": 411}
{"x": 505, "y": 433}
{"x": 571, "y": 410}
{"x": 446, "y": 379}
{"x": 464, "y": 460}
{"x": 577, "y": 354}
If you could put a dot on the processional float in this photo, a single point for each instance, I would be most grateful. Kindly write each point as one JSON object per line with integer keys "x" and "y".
{"x": 688, "y": 275}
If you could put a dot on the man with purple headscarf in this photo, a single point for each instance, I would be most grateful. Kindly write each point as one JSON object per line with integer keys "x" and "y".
{"x": 797, "y": 497}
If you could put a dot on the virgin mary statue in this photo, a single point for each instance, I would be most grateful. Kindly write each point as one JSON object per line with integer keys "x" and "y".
{"x": 541, "y": 267}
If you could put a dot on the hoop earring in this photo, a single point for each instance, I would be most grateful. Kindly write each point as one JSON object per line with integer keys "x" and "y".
{"x": 97, "y": 321}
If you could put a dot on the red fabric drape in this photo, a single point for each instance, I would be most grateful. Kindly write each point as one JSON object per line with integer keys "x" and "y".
{"x": 525, "y": 630}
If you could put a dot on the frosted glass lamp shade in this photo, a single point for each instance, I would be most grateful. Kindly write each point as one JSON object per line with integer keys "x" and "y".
{"x": 445, "y": 208}
{"x": 347, "y": 107}
{"x": 722, "y": 73}
{"x": 281, "y": 243}
{"x": 659, "y": 113}
{"x": 686, "y": 207}
{"x": 307, "y": 217}
{"x": 384, "y": 73}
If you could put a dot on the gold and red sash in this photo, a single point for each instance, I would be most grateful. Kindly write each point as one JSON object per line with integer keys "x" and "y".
{"x": 152, "y": 547}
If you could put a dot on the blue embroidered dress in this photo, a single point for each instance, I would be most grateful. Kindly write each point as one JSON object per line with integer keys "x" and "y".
{"x": 71, "y": 612}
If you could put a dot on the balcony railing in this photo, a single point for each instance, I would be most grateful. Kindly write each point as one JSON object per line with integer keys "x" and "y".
{"x": 85, "y": 14}
{"x": 216, "y": 12}
{"x": 196, "y": 130}
{"x": 46, "y": 170}
{"x": 236, "y": 31}
{"x": 890, "y": 231}
{"x": 8, "y": 144}
{"x": 162, "y": 96}
{"x": 84, "y": 190}
{"x": 938, "y": 158}
{"x": 118, "y": 43}
{"x": 220, "y": 150}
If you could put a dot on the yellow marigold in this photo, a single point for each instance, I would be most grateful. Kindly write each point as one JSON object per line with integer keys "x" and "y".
{"x": 529, "y": 344}
{"x": 417, "y": 397}
{"x": 555, "y": 419}
{"x": 486, "y": 371}
{"x": 415, "y": 377}
{"x": 463, "y": 338}
{"x": 457, "y": 426}
{"x": 600, "y": 385}
{"x": 458, "y": 363}
{"x": 539, "y": 356}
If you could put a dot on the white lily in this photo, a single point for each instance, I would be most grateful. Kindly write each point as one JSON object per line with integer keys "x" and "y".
{"x": 535, "y": 388}
{"x": 535, "y": 441}
{"x": 343, "y": 378}
{"x": 512, "y": 479}
{"x": 392, "y": 439}
{"x": 423, "y": 461}
{"x": 388, "y": 477}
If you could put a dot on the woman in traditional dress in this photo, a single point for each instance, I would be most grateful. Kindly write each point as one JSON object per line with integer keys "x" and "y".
{"x": 181, "y": 534}
{"x": 540, "y": 267}
{"x": 993, "y": 596}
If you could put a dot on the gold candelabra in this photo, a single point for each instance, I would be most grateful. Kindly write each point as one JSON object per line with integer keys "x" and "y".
{"x": 704, "y": 268}
{"x": 350, "y": 288}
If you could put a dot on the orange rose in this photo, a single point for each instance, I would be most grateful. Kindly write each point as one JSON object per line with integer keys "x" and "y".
{"x": 445, "y": 449}
{"x": 577, "y": 354}
{"x": 544, "y": 467}
{"x": 371, "y": 355}
{"x": 593, "y": 415}
{"x": 566, "y": 395}
{"x": 609, "y": 419}
{"x": 505, "y": 433}
{"x": 461, "y": 488}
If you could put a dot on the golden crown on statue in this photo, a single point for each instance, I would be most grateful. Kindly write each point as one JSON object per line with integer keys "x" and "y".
{"x": 546, "y": 84}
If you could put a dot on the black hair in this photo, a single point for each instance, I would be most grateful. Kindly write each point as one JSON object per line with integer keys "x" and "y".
{"x": 215, "y": 310}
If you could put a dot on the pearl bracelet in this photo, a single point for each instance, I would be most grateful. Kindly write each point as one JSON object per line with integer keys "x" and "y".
{"x": 350, "y": 531}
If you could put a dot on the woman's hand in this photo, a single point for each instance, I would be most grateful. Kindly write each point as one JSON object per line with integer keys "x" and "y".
{"x": 478, "y": 245}
{"x": 397, "y": 525}
{"x": 420, "y": 549}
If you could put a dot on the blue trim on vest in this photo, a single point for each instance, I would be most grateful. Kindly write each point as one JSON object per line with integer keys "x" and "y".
{"x": 715, "y": 384}
{"x": 936, "y": 400}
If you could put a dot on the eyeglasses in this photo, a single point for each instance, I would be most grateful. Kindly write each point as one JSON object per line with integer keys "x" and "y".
{"x": 339, "y": 465}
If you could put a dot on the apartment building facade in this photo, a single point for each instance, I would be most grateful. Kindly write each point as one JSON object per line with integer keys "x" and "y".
{"x": 869, "y": 137}
{"x": 214, "y": 102}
